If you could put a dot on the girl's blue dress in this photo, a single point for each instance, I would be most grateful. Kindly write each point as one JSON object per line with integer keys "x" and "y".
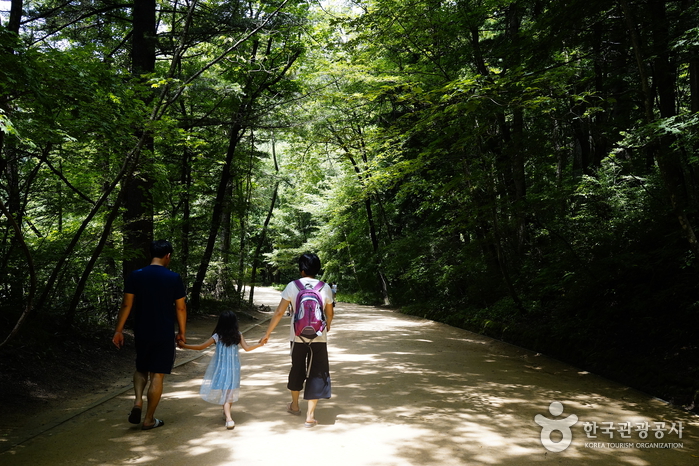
{"x": 222, "y": 378}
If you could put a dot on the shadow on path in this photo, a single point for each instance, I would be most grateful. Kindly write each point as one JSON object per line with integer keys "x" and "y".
{"x": 406, "y": 391}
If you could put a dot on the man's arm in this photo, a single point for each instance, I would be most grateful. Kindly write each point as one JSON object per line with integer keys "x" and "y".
{"x": 181, "y": 311}
{"x": 276, "y": 318}
{"x": 124, "y": 311}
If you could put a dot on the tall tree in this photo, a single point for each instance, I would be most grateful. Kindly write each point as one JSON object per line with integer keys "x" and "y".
{"x": 138, "y": 201}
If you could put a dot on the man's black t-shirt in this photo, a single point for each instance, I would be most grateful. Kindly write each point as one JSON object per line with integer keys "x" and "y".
{"x": 155, "y": 289}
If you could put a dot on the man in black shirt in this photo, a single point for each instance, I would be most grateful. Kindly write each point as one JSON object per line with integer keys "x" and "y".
{"x": 157, "y": 297}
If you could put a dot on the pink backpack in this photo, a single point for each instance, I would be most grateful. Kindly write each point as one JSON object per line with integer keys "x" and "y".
{"x": 309, "y": 318}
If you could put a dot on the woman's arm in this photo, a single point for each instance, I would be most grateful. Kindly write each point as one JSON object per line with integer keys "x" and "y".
{"x": 245, "y": 346}
{"x": 276, "y": 318}
{"x": 329, "y": 314}
{"x": 204, "y": 345}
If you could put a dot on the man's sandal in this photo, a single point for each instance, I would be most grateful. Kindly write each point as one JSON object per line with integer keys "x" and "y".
{"x": 158, "y": 423}
{"x": 135, "y": 415}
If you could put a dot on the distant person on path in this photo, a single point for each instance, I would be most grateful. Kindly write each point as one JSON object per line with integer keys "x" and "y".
{"x": 157, "y": 297}
{"x": 221, "y": 383}
{"x": 309, "y": 360}
{"x": 334, "y": 289}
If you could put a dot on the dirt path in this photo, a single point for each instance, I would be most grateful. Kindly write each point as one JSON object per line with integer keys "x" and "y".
{"x": 406, "y": 391}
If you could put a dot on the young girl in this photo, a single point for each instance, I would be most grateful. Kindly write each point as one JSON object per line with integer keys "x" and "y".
{"x": 222, "y": 378}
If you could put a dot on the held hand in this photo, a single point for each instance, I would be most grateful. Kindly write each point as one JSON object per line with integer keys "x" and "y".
{"x": 118, "y": 339}
{"x": 180, "y": 339}
{"x": 264, "y": 340}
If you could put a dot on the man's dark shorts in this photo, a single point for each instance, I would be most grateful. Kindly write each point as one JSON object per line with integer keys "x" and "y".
{"x": 155, "y": 356}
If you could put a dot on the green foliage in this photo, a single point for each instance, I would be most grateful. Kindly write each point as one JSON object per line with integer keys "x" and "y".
{"x": 497, "y": 170}
{"x": 503, "y": 166}
{"x": 72, "y": 114}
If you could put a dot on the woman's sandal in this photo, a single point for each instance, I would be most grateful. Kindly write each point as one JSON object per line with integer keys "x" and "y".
{"x": 291, "y": 411}
{"x": 230, "y": 425}
{"x": 312, "y": 423}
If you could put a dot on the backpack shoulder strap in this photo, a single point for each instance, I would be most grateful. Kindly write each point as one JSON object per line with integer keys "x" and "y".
{"x": 319, "y": 286}
{"x": 299, "y": 285}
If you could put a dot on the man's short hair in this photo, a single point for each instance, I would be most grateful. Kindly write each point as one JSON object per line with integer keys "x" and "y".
{"x": 309, "y": 264}
{"x": 160, "y": 248}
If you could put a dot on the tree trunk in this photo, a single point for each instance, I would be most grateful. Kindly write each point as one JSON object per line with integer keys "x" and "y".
{"x": 244, "y": 222}
{"x": 236, "y": 136}
{"x": 667, "y": 158}
{"x": 186, "y": 213}
{"x": 260, "y": 243}
{"x": 106, "y": 232}
{"x": 10, "y": 171}
{"x": 15, "y": 16}
{"x": 31, "y": 270}
{"x": 138, "y": 201}
{"x": 131, "y": 160}
{"x": 370, "y": 221}
{"x": 224, "y": 276}
{"x": 263, "y": 234}
{"x": 517, "y": 147}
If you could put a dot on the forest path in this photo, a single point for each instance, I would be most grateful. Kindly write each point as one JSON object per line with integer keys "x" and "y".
{"x": 406, "y": 391}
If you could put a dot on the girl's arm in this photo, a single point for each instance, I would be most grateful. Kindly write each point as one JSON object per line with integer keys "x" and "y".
{"x": 206, "y": 344}
{"x": 245, "y": 346}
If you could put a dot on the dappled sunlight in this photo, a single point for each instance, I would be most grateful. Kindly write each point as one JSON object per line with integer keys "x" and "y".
{"x": 470, "y": 341}
{"x": 204, "y": 444}
{"x": 406, "y": 391}
{"x": 487, "y": 414}
{"x": 349, "y": 357}
{"x": 257, "y": 383}
{"x": 183, "y": 394}
{"x": 186, "y": 383}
